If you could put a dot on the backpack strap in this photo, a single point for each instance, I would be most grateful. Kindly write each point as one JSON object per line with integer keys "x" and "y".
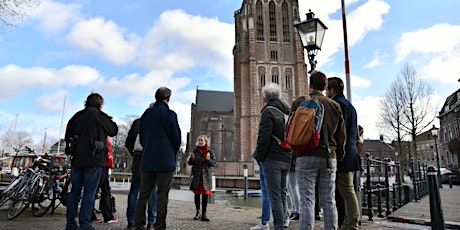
{"x": 276, "y": 138}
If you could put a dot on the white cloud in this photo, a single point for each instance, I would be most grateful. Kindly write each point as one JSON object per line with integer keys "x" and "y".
{"x": 179, "y": 41}
{"x": 14, "y": 78}
{"x": 55, "y": 16}
{"x": 377, "y": 59}
{"x": 438, "y": 55}
{"x": 368, "y": 112}
{"x": 360, "y": 21}
{"x": 104, "y": 38}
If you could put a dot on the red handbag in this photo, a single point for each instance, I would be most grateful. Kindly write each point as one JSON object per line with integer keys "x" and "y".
{"x": 109, "y": 162}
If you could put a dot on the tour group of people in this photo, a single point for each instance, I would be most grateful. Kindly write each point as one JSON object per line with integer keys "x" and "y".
{"x": 307, "y": 177}
{"x": 324, "y": 176}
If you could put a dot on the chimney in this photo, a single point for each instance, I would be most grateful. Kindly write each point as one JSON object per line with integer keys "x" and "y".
{"x": 381, "y": 137}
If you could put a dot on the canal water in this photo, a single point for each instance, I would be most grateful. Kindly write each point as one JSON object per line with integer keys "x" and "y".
{"x": 218, "y": 197}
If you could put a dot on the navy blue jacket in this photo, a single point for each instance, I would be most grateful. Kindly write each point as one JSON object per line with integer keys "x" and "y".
{"x": 350, "y": 162}
{"x": 160, "y": 138}
{"x": 90, "y": 125}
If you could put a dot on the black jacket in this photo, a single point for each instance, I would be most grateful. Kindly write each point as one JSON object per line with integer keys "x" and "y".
{"x": 129, "y": 143}
{"x": 90, "y": 125}
{"x": 272, "y": 123}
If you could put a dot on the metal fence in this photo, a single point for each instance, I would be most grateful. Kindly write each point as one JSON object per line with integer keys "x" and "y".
{"x": 384, "y": 191}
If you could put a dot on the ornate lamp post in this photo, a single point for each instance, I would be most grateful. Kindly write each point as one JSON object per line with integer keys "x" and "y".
{"x": 435, "y": 132}
{"x": 311, "y": 32}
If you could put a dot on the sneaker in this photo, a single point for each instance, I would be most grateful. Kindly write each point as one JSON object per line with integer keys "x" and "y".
{"x": 294, "y": 216}
{"x": 260, "y": 226}
{"x": 97, "y": 220}
{"x": 286, "y": 222}
{"x": 114, "y": 220}
{"x": 149, "y": 227}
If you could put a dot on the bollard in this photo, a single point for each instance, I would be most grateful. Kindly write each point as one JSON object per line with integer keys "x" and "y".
{"x": 213, "y": 181}
{"x": 245, "y": 181}
{"x": 370, "y": 211}
{"x": 437, "y": 217}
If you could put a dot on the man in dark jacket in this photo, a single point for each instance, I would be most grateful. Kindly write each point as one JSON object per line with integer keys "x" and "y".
{"x": 347, "y": 202}
{"x": 136, "y": 179}
{"x": 275, "y": 160}
{"x": 321, "y": 164}
{"x": 87, "y": 132}
{"x": 160, "y": 138}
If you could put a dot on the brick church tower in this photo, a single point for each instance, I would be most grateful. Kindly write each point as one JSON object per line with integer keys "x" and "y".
{"x": 267, "y": 49}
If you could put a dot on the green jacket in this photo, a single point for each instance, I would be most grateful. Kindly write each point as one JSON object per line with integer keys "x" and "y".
{"x": 333, "y": 121}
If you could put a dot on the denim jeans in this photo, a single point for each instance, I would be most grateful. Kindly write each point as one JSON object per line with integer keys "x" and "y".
{"x": 275, "y": 173}
{"x": 293, "y": 189}
{"x": 311, "y": 170}
{"x": 88, "y": 180}
{"x": 265, "y": 201}
{"x": 163, "y": 180}
{"x": 132, "y": 198}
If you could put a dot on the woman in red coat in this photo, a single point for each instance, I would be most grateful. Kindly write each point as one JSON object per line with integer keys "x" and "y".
{"x": 202, "y": 159}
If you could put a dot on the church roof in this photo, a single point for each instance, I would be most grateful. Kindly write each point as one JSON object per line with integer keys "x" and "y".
{"x": 218, "y": 101}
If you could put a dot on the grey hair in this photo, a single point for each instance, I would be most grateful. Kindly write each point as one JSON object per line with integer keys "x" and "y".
{"x": 271, "y": 91}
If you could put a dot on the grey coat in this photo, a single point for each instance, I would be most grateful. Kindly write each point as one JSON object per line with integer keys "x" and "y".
{"x": 201, "y": 168}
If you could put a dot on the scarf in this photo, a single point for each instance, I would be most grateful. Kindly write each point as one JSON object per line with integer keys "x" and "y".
{"x": 202, "y": 150}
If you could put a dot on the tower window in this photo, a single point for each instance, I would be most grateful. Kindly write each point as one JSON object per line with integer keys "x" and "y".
{"x": 260, "y": 22}
{"x": 272, "y": 19}
{"x": 275, "y": 76}
{"x": 286, "y": 25}
{"x": 274, "y": 55}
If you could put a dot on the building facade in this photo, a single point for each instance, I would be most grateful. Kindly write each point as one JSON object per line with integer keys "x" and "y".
{"x": 449, "y": 132}
{"x": 267, "y": 49}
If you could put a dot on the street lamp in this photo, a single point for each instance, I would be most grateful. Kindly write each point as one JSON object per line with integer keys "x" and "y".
{"x": 311, "y": 32}
{"x": 435, "y": 132}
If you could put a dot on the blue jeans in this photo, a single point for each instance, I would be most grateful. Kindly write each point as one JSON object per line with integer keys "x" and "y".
{"x": 311, "y": 170}
{"x": 132, "y": 199}
{"x": 265, "y": 201}
{"x": 88, "y": 180}
{"x": 293, "y": 189}
{"x": 275, "y": 173}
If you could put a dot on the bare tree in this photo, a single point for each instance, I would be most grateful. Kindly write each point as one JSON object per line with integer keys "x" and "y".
{"x": 12, "y": 11}
{"x": 391, "y": 115}
{"x": 419, "y": 110}
{"x": 16, "y": 141}
{"x": 121, "y": 154}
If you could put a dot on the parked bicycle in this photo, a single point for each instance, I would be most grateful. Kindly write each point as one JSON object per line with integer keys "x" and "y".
{"x": 37, "y": 186}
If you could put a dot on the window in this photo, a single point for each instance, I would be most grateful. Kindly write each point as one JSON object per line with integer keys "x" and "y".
{"x": 272, "y": 20}
{"x": 274, "y": 55}
{"x": 260, "y": 21}
{"x": 262, "y": 76}
{"x": 275, "y": 76}
{"x": 286, "y": 25}
{"x": 287, "y": 79}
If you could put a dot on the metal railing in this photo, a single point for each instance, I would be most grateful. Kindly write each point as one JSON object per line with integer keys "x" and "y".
{"x": 384, "y": 197}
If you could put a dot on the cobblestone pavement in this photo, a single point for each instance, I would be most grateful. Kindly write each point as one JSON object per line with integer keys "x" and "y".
{"x": 180, "y": 216}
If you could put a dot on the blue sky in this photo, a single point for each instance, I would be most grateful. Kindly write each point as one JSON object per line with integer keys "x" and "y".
{"x": 125, "y": 50}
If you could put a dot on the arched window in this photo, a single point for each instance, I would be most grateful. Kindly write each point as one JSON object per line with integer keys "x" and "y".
{"x": 260, "y": 21}
{"x": 286, "y": 24}
{"x": 275, "y": 75}
{"x": 288, "y": 79}
{"x": 262, "y": 76}
{"x": 272, "y": 20}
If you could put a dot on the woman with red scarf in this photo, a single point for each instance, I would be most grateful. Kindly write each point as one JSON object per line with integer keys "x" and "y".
{"x": 202, "y": 159}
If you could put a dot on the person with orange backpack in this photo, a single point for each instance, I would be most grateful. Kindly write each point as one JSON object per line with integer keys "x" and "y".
{"x": 319, "y": 166}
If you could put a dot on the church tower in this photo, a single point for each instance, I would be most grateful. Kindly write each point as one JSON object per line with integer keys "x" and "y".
{"x": 267, "y": 49}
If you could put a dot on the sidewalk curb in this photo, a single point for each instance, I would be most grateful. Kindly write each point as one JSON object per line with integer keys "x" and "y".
{"x": 426, "y": 222}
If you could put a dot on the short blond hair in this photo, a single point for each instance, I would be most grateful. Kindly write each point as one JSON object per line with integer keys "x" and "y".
{"x": 206, "y": 139}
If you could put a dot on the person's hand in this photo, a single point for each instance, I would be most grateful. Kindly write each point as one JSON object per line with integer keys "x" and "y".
{"x": 192, "y": 155}
{"x": 208, "y": 156}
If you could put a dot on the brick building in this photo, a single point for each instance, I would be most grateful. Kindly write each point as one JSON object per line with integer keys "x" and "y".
{"x": 449, "y": 133}
{"x": 267, "y": 49}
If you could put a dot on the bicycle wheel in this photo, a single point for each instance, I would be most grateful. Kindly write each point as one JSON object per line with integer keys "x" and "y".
{"x": 16, "y": 208}
{"x": 10, "y": 189}
{"x": 43, "y": 201}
